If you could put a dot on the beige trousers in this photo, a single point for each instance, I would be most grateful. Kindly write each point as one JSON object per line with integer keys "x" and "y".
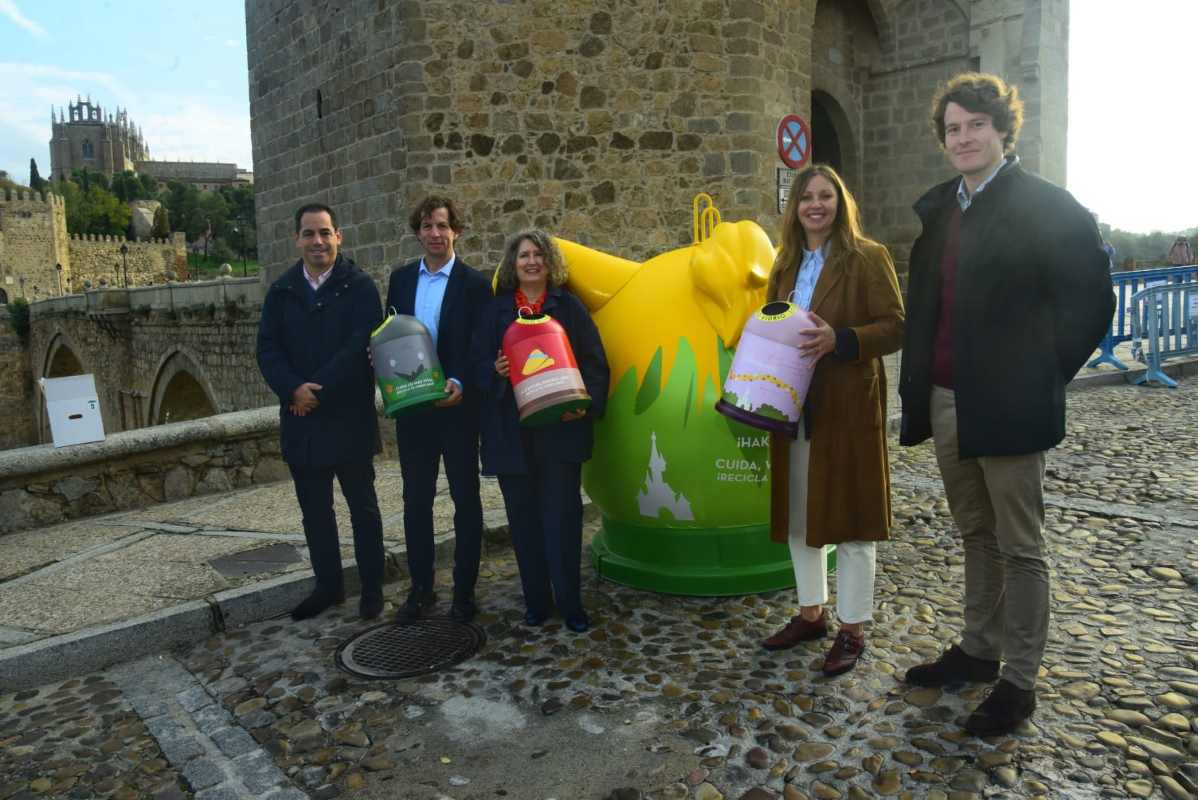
{"x": 997, "y": 503}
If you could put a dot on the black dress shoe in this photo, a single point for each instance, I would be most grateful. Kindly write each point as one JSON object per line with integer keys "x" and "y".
{"x": 370, "y": 605}
{"x": 463, "y": 609}
{"x": 316, "y": 603}
{"x": 533, "y": 619}
{"x": 418, "y": 604}
{"x": 953, "y": 666}
{"x": 1003, "y": 709}
{"x": 579, "y": 623}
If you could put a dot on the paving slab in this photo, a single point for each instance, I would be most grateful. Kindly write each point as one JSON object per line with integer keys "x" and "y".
{"x": 24, "y": 551}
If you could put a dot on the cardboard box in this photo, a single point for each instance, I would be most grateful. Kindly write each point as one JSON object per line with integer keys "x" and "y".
{"x": 73, "y": 410}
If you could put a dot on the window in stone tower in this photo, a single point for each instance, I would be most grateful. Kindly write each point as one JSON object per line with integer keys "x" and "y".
{"x": 88, "y": 150}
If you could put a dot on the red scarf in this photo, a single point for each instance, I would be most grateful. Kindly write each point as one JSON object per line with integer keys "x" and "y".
{"x": 524, "y": 302}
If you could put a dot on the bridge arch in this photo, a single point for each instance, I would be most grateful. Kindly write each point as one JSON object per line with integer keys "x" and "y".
{"x": 61, "y": 360}
{"x": 181, "y": 390}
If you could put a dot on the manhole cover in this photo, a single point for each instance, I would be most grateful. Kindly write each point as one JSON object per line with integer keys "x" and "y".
{"x": 272, "y": 558}
{"x": 417, "y": 648}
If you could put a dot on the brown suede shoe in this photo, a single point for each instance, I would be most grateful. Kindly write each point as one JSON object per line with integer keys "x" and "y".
{"x": 797, "y": 630}
{"x": 845, "y": 651}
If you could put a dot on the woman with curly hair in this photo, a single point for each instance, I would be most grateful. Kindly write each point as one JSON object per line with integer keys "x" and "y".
{"x": 539, "y": 468}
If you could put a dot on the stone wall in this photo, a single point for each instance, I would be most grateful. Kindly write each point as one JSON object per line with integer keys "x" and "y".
{"x": 845, "y": 46}
{"x": 32, "y": 241}
{"x": 566, "y": 115}
{"x": 602, "y": 124}
{"x": 17, "y": 420}
{"x": 95, "y": 258}
{"x": 42, "y": 485}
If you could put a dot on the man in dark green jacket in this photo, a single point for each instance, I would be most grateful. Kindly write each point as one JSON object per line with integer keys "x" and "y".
{"x": 312, "y": 341}
{"x": 1008, "y": 295}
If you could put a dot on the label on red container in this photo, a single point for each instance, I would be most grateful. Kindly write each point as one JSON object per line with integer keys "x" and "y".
{"x": 543, "y": 372}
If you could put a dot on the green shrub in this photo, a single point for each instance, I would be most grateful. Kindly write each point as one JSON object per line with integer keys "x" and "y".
{"x": 18, "y": 317}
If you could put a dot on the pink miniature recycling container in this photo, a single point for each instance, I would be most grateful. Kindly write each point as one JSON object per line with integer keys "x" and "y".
{"x": 768, "y": 380}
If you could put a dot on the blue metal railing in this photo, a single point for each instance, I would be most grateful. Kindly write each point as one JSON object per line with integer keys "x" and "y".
{"x": 1165, "y": 324}
{"x": 1127, "y": 284}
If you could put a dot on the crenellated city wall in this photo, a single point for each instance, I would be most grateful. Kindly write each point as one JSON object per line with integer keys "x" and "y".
{"x": 97, "y": 258}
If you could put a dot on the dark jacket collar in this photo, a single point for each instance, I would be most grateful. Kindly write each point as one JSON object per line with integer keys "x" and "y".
{"x": 295, "y": 279}
{"x": 942, "y": 194}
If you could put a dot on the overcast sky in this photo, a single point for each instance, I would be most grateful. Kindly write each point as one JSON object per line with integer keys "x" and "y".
{"x": 179, "y": 67}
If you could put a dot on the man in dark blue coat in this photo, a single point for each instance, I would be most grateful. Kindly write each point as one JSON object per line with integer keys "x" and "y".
{"x": 446, "y": 295}
{"x": 312, "y": 340}
{"x": 1008, "y": 295}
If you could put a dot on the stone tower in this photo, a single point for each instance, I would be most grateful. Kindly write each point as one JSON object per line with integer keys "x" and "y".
{"x": 107, "y": 144}
{"x": 35, "y": 254}
{"x": 600, "y": 123}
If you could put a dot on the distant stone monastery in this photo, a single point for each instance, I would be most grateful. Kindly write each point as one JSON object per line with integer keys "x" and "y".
{"x": 84, "y": 137}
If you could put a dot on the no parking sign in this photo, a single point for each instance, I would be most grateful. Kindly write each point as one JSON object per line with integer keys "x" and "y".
{"x": 794, "y": 148}
{"x": 794, "y": 141}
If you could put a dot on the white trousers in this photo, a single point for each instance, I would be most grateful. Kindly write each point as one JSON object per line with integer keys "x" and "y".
{"x": 855, "y": 563}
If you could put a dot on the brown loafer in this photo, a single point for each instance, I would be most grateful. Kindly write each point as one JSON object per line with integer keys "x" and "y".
{"x": 797, "y": 630}
{"x": 845, "y": 651}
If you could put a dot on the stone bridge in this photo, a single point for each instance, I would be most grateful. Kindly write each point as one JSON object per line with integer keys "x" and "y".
{"x": 160, "y": 354}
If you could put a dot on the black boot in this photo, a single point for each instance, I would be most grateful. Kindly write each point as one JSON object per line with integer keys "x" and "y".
{"x": 316, "y": 603}
{"x": 953, "y": 666}
{"x": 370, "y": 604}
{"x": 418, "y": 604}
{"x": 1003, "y": 709}
{"x": 464, "y": 608}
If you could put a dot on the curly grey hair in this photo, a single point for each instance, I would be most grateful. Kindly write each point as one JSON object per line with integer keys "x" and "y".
{"x": 507, "y": 280}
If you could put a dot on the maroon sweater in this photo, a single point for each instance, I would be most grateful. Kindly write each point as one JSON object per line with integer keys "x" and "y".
{"x": 942, "y": 346}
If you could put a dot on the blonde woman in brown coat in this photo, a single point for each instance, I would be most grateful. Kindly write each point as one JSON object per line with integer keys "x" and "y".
{"x": 832, "y": 484}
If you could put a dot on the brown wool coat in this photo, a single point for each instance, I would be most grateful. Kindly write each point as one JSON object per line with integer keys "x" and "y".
{"x": 848, "y": 490}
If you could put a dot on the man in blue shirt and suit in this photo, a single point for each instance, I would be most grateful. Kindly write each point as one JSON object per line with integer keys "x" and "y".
{"x": 446, "y": 295}
{"x": 316, "y": 322}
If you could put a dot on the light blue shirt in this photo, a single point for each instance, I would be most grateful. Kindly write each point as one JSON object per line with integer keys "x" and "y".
{"x": 965, "y": 199}
{"x": 430, "y": 293}
{"x": 809, "y": 269}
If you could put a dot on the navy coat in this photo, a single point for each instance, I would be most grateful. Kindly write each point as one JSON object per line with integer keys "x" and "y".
{"x": 1032, "y": 300}
{"x": 502, "y": 437}
{"x": 466, "y": 295}
{"x": 322, "y": 338}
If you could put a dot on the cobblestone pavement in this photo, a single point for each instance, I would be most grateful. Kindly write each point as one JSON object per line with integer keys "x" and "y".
{"x": 671, "y": 697}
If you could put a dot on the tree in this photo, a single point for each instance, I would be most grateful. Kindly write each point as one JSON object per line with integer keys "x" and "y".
{"x": 95, "y": 210}
{"x": 82, "y": 177}
{"x": 149, "y": 185}
{"x": 216, "y": 212}
{"x": 162, "y": 228}
{"x": 127, "y": 187}
{"x": 182, "y": 201}
{"x": 36, "y": 182}
{"x": 108, "y": 214}
{"x": 220, "y": 251}
{"x": 241, "y": 234}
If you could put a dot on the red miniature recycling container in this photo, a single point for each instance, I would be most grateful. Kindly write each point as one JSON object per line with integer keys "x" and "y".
{"x": 542, "y": 370}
